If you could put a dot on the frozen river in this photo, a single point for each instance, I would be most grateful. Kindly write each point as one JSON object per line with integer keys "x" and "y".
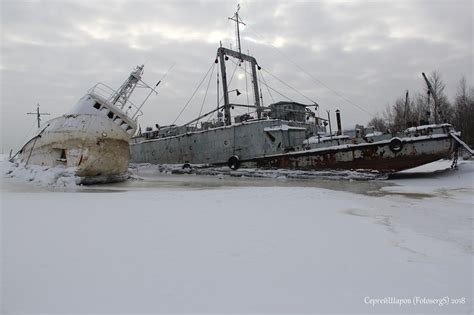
{"x": 168, "y": 243}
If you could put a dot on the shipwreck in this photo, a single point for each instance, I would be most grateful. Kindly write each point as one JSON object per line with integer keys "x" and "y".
{"x": 93, "y": 137}
{"x": 286, "y": 134}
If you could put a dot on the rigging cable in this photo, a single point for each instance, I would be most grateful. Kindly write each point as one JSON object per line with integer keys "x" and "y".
{"x": 207, "y": 89}
{"x": 189, "y": 100}
{"x": 28, "y": 133}
{"x": 313, "y": 77}
{"x": 24, "y": 140}
{"x": 233, "y": 73}
{"x": 266, "y": 85}
{"x": 279, "y": 93}
{"x": 231, "y": 78}
{"x": 287, "y": 85}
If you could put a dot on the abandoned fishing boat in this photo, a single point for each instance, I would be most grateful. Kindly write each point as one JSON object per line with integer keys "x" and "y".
{"x": 285, "y": 134}
{"x": 93, "y": 137}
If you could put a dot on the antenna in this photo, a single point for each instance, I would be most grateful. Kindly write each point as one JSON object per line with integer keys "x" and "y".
{"x": 237, "y": 21}
{"x": 38, "y": 114}
{"x": 152, "y": 89}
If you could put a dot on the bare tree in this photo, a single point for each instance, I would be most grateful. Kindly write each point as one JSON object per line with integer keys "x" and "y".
{"x": 402, "y": 114}
{"x": 464, "y": 111}
{"x": 396, "y": 115}
{"x": 420, "y": 110}
{"x": 378, "y": 123}
{"x": 439, "y": 106}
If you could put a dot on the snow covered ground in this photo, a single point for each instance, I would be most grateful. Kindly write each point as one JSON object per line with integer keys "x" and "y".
{"x": 166, "y": 243}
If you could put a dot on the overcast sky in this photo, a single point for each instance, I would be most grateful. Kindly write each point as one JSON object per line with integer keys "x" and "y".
{"x": 368, "y": 52}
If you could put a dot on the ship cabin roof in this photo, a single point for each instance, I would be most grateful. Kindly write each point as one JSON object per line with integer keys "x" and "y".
{"x": 289, "y": 105}
{"x": 288, "y": 111}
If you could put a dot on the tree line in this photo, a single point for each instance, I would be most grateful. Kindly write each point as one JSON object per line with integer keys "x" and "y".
{"x": 421, "y": 109}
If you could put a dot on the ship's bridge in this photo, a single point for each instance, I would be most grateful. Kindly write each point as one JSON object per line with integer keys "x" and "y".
{"x": 288, "y": 111}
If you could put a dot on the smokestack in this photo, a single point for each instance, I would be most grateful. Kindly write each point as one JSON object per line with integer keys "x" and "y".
{"x": 338, "y": 119}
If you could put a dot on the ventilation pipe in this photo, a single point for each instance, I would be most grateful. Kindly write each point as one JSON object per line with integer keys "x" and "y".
{"x": 338, "y": 119}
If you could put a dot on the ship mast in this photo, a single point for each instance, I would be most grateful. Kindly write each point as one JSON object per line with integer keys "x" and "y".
{"x": 237, "y": 21}
{"x": 38, "y": 114}
{"x": 223, "y": 54}
{"x": 123, "y": 94}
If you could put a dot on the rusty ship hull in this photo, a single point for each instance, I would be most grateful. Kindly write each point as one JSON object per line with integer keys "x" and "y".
{"x": 377, "y": 156}
{"x": 277, "y": 144}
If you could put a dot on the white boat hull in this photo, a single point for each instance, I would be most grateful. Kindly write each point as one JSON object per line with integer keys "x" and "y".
{"x": 94, "y": 145}
{"x": 93, "y": 138}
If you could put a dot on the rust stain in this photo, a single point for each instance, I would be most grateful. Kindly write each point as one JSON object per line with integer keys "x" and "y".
{"x": 375, "y": 157}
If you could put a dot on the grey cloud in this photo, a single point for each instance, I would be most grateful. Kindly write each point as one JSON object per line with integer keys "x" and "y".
{"x": 370, "y": 51}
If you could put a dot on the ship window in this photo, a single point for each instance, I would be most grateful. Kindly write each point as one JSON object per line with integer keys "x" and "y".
{"x": 97, "y": 105}
{"x": 110, "y": 115}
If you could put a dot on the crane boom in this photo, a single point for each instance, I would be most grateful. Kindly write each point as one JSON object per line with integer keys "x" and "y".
{"x": 435, "y": 97}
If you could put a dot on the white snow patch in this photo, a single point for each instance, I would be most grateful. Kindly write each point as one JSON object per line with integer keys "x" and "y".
{"x": 437, "y": 179}
{"x": 222, "y": 249}
{"x": 283, "y": 127}
{"x": 424, "y": 127}
{"x": 146, "y": 169}
{"x": 58, "y": 176}
{"x": 319, "y": 139}
{"x": 374, "y": 134}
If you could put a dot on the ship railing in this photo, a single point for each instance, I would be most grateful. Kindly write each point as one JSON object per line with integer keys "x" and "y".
{"x": 108, "y": 94}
